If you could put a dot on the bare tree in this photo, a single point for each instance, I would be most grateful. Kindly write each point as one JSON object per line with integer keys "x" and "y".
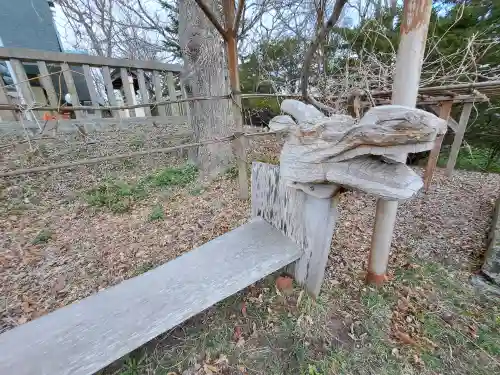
{"x": 205, "y": 75}
{"x": 113, "y": 28}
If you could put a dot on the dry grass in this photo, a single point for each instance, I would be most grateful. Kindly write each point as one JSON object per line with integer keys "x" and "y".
{"x": 57, "y": 248}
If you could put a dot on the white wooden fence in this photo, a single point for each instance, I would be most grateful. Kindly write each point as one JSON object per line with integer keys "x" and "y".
{"x": 41, "y": 80}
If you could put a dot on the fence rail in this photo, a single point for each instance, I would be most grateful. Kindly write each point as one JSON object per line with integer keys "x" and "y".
{"x": 99, "y": 87}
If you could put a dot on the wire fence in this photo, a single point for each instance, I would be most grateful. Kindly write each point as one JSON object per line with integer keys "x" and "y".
{"x": 29, "y": 108}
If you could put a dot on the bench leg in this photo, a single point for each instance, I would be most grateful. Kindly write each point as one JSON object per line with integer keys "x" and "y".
{"x": 319, "y": 216}
{"x": 308, "y": 220}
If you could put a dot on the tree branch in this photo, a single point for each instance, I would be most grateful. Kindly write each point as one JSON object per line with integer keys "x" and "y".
{"x": 239, "y": 13}
{"x": 212, "y": 18}
{"x": 304, "y": 78}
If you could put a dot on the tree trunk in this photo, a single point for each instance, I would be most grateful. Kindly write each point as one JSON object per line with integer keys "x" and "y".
{"x": 205, "y": 75}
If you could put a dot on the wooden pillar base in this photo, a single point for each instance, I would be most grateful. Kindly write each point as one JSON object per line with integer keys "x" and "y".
{"x": 308, "y": 219}
{"x": 374, "y": 279}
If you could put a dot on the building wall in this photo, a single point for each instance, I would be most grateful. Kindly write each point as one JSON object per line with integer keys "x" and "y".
{"x": 28, "y": 24}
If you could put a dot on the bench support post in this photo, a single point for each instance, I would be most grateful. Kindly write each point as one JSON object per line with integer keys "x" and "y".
{"x": 306, "y": 213}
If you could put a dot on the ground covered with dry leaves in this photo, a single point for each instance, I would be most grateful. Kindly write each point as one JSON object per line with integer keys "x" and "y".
{"x": 68, "y": 234}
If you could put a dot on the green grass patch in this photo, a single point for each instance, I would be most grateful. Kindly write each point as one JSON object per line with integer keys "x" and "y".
{"x": 137, "y": 143}
{"x": 232, "y": 172}
{"x": 42, "y": 237}
{"x": 157, "y": 213}
{"x": 119, "y": 196}
{"x": 143, "y": 268}
{"x": 347, "y": 330}
{"x": 196, "y": 191}
{"x": 168, "y": 177}
{"x": 473, "y": 159}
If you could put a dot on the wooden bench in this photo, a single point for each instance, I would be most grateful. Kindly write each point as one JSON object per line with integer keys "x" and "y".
{"x": 86, "y": 336}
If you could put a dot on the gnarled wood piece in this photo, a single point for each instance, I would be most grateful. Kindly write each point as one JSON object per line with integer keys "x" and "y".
{"x": 359, "y": 155}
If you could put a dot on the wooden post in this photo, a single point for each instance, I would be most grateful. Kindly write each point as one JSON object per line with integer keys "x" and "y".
{"x": 234, "y": 78}
{"x": 109, "y": 90}
{"x": 70, "y": 84}
{"x": 414, "y": 25}
{"x": 159, "y": 92}
{"x": 46, "y": 82}
{"x": 174, "y": 108}
{"x": 4, "y": 99}
{"x": 444, "y": 113}
{"x": 24, "y": 87}
{"x": 127, "y": 90}
{"x": 457, "y": 140}
{"x": 92, "y": 90}
{"x": 144, "y": 91}
{"x": 306, "y": 213}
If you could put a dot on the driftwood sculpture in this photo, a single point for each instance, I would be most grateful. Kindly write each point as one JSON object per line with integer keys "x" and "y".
{"x": 360, "y": 155}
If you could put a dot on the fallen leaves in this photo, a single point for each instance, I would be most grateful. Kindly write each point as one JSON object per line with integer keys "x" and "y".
{"x": 404, "y": 338}
{"x": 284, "y": 283}
{"x": 244, "y": 309}
{"x": 237, "y": 333}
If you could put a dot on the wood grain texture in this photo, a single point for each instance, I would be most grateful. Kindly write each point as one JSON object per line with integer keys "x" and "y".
{"x": 48, "y": 86}
{"x": 172, "y": 94}
{"x": 239, "y": 149}
{"x": 22, "y": 80}
{"x": 308, "y": 220}
{"x": 5, "y": 115}
{"x": 92, "y": 90}
{"x": 359, "y": 155}
{"x": 444, "y": 113}
{"x": 457, "y": 140}
{"x": 162, "y": 111}
{"x": 110, "y": 92}
{"x": 70, "y": 84}
{"x": 26, "y": 54}
{"x": 143, "y": 90}
{"x": 127, "y": 90}
{"x": 85, "y": 336}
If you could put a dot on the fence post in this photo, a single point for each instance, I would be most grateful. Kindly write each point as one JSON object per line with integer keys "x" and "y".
{"x": 444, "y": 113}
{"x": 457, "y": 140}
{"x": 4, "y": 99}
{"x": 110, "y": 92}
{"x": 174, "y": 108}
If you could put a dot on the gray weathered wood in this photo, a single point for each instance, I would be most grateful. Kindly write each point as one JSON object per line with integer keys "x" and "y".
{"x": 239, "y": 150}
{"x": 110, "y": 92}
{"x": 48, "y": 86}
{"x": 85, "y": 336}
{"x": 22, "y": 81}
{"x": 143, "y": 90}
{"x": 70, "y": 84}
{"x": 129, "y": 95}
{"x": 184, "y": 96}
{"x": 491, "y": 266}
{"x": 159, "y": 92}
{"x": 4, "y": 98}
{"x": 25, "y": 54}
{"x": 308, "y": 220}
{"x": 92, "y": 90}
{"x": 337, "y": 149}
{"x": 174, "y": 108}
{"x": 457, "y": 140}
